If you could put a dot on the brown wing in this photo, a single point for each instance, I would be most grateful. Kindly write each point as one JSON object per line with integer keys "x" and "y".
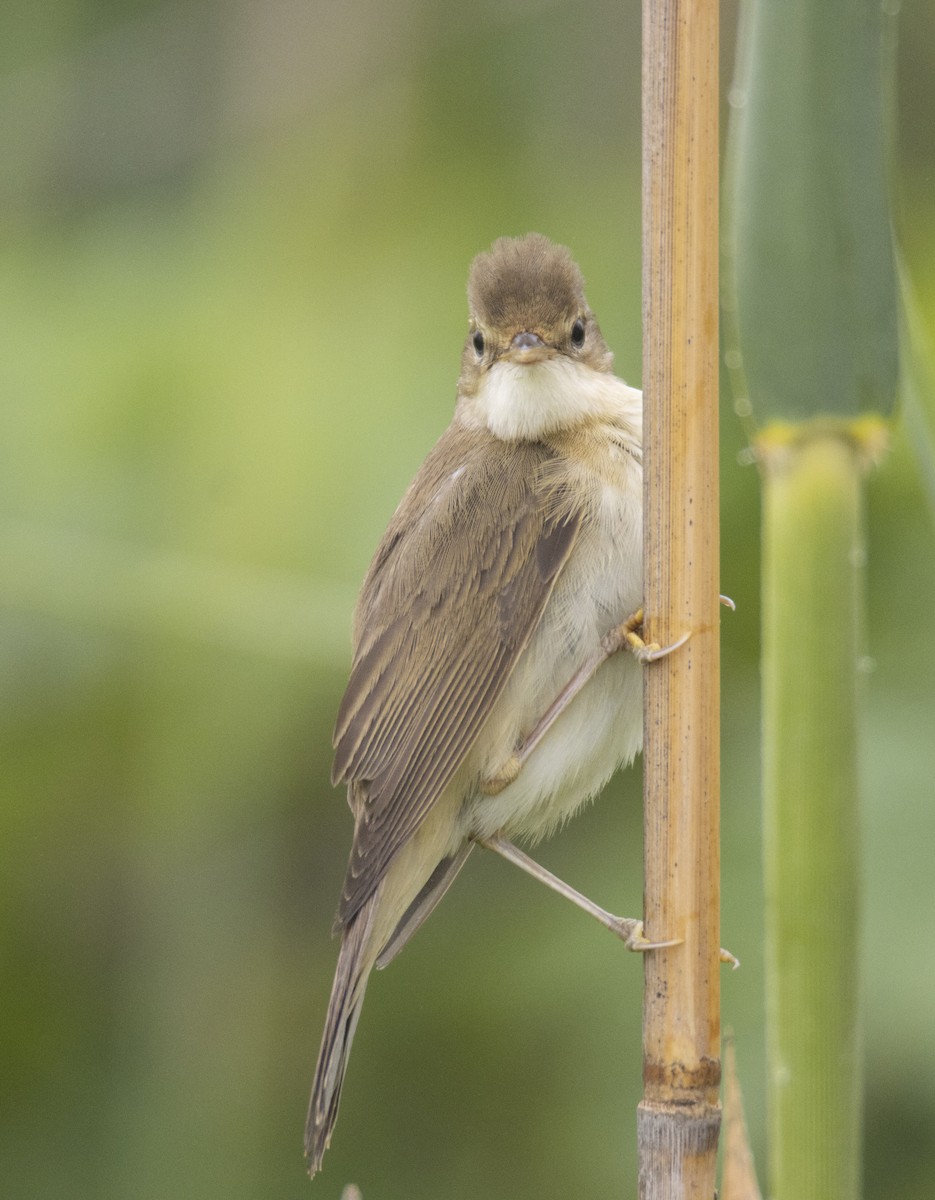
{"x": 456, "y": 588}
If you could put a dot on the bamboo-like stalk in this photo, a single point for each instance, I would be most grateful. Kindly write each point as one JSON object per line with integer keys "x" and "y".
{"x": 814, "y": 349}
{"x": 811, "y": 557}
{"x": 679, "y": 1116}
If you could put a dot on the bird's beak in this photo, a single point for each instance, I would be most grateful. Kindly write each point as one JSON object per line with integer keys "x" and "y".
{"x": 528, "y": 347}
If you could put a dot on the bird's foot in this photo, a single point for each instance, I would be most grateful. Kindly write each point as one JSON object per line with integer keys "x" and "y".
{"x": 629, "y": 636}
{"x": 631, "y": 932}
{"x": 633, "y": 937}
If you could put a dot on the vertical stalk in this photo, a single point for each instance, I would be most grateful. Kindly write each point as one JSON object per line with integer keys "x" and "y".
{"x": 679, "y": 1116}
{"x": 815, "y": 352}
{"x": 811, "y": 552}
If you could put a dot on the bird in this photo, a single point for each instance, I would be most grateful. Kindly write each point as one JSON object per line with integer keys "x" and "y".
{"x": 487, "y": 700}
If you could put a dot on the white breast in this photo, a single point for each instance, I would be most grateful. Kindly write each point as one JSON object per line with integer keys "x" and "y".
{"x": 599, "y": 587}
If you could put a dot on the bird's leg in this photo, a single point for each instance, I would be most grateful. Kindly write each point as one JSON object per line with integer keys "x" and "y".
{"x": 627, "y": 928}
{"x": 621, "y": 637}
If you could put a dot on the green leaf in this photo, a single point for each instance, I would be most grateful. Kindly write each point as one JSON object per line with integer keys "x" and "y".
{"x": 812, "y": 294}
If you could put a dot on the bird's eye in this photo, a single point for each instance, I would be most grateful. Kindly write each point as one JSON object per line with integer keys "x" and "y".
{"x": 577, "y": 334}
{"x": 478, "y": 342}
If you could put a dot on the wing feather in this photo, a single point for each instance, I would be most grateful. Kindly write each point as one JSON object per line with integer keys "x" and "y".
{"x": 455, "y": 591}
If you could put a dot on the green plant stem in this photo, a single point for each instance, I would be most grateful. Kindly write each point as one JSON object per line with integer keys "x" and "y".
{"x": 812, "y": 550}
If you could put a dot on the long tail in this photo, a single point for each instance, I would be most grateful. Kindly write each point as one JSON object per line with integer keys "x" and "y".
{"x": 347, "y": 995}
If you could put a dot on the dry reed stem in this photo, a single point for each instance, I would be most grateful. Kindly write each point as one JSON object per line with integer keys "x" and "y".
{"x": 679, "y": 1115}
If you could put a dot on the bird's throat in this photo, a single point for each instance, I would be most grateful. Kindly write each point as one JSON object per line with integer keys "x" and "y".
{"x": 526, "y": 402}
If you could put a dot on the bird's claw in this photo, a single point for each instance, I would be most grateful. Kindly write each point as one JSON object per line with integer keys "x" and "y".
{"x": 648, "y": 652}
{"x": 634, "y": 938}
{"x": 629, "y": 634}
{"x": 631, "y": 932}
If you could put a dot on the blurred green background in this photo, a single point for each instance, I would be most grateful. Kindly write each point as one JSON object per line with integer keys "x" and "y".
{"x": 233, "y": 245}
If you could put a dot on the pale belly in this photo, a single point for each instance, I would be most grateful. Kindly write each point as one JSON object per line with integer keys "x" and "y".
{"x": 602, "y": 728}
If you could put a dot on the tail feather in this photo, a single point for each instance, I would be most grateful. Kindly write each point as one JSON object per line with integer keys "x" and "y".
{"x": 424, "y": 904}
{"x": 347, "y": 996}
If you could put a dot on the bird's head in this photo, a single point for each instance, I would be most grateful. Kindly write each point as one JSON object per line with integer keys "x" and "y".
{"x": 534, "y": 353}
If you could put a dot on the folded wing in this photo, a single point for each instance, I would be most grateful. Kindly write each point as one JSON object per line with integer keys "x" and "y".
{"x": 456, "y": 589}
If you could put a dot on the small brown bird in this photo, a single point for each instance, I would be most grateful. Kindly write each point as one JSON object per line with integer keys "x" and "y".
{"x": 486, "y": 700}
